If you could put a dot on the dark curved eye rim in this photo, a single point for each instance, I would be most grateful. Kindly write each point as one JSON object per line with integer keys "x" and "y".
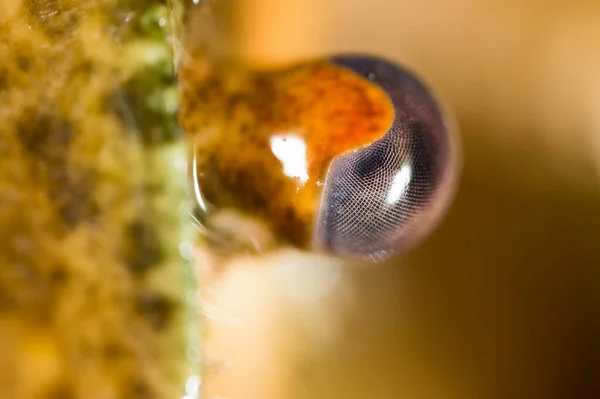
{"x": 383, "y": 198}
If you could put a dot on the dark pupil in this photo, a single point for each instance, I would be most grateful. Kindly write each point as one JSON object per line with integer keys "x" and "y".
{"x": 371, "y": 164}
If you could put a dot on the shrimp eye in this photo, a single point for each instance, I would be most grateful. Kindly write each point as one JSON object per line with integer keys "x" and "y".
{"x": 350, "y": 155}
{"x": 384, "y": 197}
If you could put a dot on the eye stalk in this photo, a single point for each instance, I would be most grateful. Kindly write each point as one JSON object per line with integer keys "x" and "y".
{"x": 349, "y": 155}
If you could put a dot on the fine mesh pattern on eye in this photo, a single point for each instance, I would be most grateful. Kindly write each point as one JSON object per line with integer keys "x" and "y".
{"x": 382, "y": 198}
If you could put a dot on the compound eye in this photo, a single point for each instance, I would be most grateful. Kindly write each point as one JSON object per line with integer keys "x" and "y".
{"x": 384, "y": 197}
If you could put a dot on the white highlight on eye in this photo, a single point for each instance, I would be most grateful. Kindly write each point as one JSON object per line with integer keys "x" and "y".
{"x": 290, "y": 149}
{"x": 400, "y": 184}
{"x": 197, "y": 192}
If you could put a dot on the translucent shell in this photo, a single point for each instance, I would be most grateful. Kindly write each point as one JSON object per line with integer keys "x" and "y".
{"x": 349, "y": 155}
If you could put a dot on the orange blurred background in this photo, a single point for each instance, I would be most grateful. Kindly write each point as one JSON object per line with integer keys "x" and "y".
{"x": 504, "y": 300}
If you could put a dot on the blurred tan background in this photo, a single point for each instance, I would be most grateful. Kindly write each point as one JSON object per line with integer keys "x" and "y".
{"x": 504, "y": 300}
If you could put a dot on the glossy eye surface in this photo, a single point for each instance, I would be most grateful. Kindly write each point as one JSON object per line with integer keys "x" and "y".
{"x": 380, "y": 199}
{"x": 350, "y": 155}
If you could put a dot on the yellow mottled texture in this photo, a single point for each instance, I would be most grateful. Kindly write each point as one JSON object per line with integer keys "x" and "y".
{"x": 91, "y": 296}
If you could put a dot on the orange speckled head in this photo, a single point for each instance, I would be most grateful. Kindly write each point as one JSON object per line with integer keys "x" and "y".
{"x": 266, "y": 144}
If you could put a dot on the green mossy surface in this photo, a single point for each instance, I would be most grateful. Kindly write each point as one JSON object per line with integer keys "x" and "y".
{"x": 94, "y": 293}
